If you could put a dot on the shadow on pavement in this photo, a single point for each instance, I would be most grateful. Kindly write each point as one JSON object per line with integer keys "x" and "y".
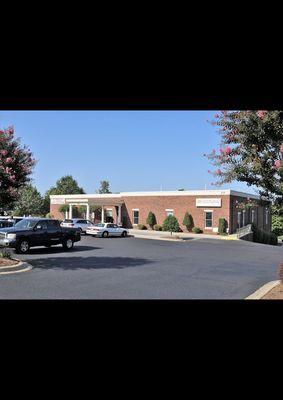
{"x": 59, "y": 249}
{"x": 88, "y": 263}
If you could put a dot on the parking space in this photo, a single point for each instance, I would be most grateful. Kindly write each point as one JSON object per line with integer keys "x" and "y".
{"x": 131, "y": 268}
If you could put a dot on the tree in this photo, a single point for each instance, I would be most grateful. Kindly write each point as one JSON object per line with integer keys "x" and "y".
{"x": 29, "y": 202}
{"x": 188, "y": 221}
{"x": 171, "y": 224}
{"x": 151, "y": 219}
{"x": 222, "y": 226}
{"x": 104, "y": 187}
{"x": 277, "y": 220}
{"x": 65, "y": 185}
{"x": 16, "y": 165}
{"x": 251, "y": 150}
{"x": 63, "y": 209}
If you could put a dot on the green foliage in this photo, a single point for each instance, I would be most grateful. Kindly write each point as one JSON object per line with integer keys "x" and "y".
{"x": 151, "y": 219}
{"x": 222, "y": 226}
{"x": 104, "y": 187}
{"x": 5, "y": 254}
{"x": 142, "y": 227}
{"x": 196, "y": 229}
{"x": 251, "y": 150}
{"x": 260, "y": 236}
{"x": 188, "y": 221}
{"x": 65, "y": 185}
{"x": 30, "y": 202}
{"x": 49, "y": 215}
{"x": 64, "y": 208}
{"x": 171, "y": 224}
{"x": 157, "y": 227}
{"x": 277, "y": 220}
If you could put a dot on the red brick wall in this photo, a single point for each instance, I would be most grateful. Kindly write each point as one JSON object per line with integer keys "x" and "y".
{"x": 180, "y": 205}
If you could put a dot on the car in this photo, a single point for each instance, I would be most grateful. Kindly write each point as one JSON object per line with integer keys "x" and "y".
{"x": 32, "y": 232}
{"x": 106, "y": 229}
{"x": 81, "y": 224}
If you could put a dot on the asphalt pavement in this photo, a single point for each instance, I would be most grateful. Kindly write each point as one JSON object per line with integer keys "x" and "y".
{"x": 132, "y": 268}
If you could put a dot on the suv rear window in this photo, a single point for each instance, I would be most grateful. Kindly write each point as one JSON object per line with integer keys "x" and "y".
{"x": 68, "y": 221}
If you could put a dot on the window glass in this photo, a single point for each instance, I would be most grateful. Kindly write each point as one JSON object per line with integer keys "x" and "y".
{"x": 169, "y": 212}
{"x": 253, "y": 216}
{"x": 208, "y": 219}
{"x": 53, "y": 224}
{"x": 26, "y": 224}
{"x": 68, "y": 221}
{"x": 110, "y": 225}
{"x": 239, "y": 219}
{"x": 135, "y": 217}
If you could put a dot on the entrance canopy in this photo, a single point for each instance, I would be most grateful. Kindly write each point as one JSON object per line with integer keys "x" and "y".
{"x": 102, "y": 200}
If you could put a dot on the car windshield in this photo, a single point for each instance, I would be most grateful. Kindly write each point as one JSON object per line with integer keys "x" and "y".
{"x": 26, "y": 223}
{"x": 100, "y": 225}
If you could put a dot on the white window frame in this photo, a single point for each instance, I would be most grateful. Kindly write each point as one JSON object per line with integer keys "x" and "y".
{"x": 133, "y": 210}
{"x": 244, "y": 217}
{"x": 208, "y": 227}
{"x": 239, "y": 213}
{"x": 253, "y": 216}
{"x": 266, "y": 216}
{"x": 169, "y": 211}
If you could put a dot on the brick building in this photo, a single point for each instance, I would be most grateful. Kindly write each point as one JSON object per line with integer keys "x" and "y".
{"x": 205, "y": 206}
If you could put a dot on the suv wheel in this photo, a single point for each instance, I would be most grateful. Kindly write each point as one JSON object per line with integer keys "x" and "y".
{"x": 68, "y": 244}
{"x": 23, "y": 247}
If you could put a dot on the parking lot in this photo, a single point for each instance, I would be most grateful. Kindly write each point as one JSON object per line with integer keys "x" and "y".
{"x": 131, "y": 268}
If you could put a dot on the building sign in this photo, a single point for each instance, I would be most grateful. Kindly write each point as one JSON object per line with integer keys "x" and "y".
{"x": 57, "y": 201}
{"x": 208, "y": 202}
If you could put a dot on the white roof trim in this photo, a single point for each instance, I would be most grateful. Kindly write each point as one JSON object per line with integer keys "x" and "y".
{"x": 226, "y": 192}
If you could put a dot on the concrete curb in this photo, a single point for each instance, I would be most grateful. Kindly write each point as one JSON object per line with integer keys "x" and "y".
{"x": 158, "y": 238}
{"x": 21, "y": 267}
{"x": 263, "y": 290}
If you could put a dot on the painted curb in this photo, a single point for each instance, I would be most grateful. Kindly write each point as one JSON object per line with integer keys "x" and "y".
{"x": 263, "y": 290}
{"x": 27, "y": 267}
{"x": 159, "y": 238}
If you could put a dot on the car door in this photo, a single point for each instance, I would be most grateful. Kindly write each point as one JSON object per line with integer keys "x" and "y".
{"x": 116, "y": 230}
{"x": 53, "y": 232}
{"x": 110, "y": 229}
{"x": 39, "y": 236}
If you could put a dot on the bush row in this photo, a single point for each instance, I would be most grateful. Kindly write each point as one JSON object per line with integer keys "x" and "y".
{"x": 260, "y": 236}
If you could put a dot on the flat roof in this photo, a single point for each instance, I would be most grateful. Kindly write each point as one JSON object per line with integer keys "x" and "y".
{"x": 225, "y": 192}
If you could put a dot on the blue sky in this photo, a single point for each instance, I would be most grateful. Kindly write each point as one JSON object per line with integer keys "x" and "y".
{"x": 133, "y": 150}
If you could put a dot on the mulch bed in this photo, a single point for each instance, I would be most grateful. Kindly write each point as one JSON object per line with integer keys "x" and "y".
{"x": 275, "y": 294}
{"x": 6, "y": 262}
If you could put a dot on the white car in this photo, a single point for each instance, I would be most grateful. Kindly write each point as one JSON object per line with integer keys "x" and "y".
{"x": 106, "y": 229}
{"x": 82, "y": 224}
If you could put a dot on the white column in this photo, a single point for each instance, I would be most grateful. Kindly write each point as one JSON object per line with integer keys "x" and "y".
{"x": 102, "y": 214}
{"x": 119, "y": 214}
{"x": 87, "y": 211}
{"x": 70, "y": 211}
{"x": 66, "y": 214}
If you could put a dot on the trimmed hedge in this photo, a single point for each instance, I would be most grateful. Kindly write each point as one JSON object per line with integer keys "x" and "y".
{"x": 188, "y": 221}
{"x": 142, "y": 227}
{"x": 151, "y": 219}
{"x": 157, "y": 227}
{"x": 222, "y": 226}
{"x": 260, "y": 236}
{"x": 196, "y": 229}
{"x": 171, "y": 224}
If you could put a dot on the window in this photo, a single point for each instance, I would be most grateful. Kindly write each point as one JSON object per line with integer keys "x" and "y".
{"x": 169, "y": 212}
{"x": 239, "y": 219}
{"x": 266, "y": 216}
{"x": 208, "y": 219}
{"x": 253, "y": 216}
{"x": 244, "y": 217}
{"x": 135, "y": 217}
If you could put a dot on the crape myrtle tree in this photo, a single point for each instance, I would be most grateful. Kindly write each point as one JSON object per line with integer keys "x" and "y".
{"x": 251, "y": 150}
{"x": 16, "y": 165}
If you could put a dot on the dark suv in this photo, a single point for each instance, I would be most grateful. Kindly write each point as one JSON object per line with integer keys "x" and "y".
{"x": 32, "y": 232}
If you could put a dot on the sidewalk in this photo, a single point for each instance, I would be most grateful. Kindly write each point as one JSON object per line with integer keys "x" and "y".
{"x": 148, "y": 234}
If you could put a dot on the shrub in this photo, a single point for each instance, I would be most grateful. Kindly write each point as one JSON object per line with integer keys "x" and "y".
{"x": 277, "y": 225}
{"x": 5, "y": 254}
{"x": 171, "y": 224}
{"x": 63, "y": 208}
{"x": 188, "y": 221}
{"x": 142, "y": 227}
{"x": 157, "y": 227}
{"x": 196, "y": 229}
{"x": 260, "y": 236}
{"x": 222, "y": 226}
{"x": 49, "y": 215}
{"x": 151, "y": 219}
